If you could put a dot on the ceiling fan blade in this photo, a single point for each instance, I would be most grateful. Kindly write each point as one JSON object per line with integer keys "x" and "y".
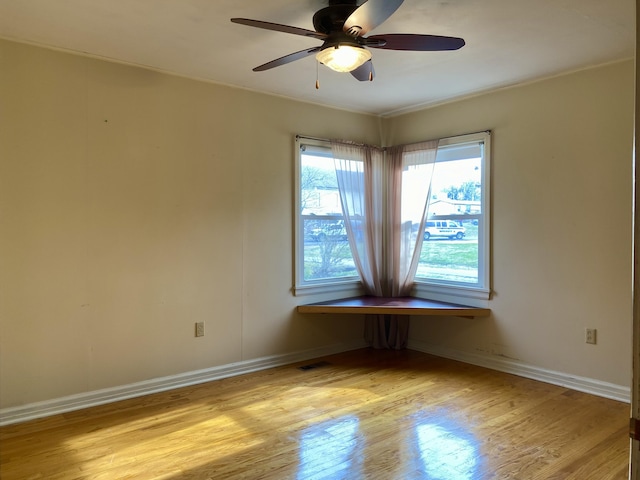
{"x": 364, "y": 72}
{"x": 292, "y": 57}
{"x": 369, "y": 15}
{"x": 279, "y": 28}
{"x": 408, "y": 41}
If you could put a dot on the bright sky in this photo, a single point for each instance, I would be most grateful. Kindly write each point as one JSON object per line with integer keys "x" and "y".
{"x": 446, "y": 174}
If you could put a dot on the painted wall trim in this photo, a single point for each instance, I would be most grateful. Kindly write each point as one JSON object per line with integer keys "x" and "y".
{"x": 94, "y": 398}
{"x": 70, "y": 403}
{"x": 582, "y": 384}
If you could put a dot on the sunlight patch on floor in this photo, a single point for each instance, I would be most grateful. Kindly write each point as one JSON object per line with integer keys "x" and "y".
{"x": 446, "y": 454}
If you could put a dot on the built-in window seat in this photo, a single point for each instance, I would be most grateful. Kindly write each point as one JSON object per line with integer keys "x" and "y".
{"x": 394, "y": 306}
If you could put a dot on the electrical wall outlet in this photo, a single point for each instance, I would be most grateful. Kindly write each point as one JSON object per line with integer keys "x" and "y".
{"x": 199, "y": 329}
{"x": 590, "y": 336}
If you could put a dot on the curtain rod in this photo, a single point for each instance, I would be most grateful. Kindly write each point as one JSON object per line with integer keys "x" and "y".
{"x": 345, "y": 142}
{"x": 359, "y": 144}
{"x": 488, "y": 132}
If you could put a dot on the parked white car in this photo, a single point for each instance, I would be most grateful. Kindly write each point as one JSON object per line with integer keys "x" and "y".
{"x": 443, "y": 228}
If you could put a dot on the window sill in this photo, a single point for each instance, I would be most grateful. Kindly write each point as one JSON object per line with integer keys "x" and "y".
{"x": 451, "y": 293}
{"x": 342, "y": 289}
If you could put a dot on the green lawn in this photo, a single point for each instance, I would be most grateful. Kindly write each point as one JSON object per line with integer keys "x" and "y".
{"x": 332, "y": 259}
{"x": 452, "y": 253}
{"x": 449, "y": 253}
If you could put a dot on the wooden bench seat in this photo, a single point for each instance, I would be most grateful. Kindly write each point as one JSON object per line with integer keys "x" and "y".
{"x": 393, "y": 306}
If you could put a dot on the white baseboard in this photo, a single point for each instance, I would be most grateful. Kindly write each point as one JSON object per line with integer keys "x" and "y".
{"x": 70, "y": 403}
{"x": 582, "y": 384}
{"x": 100, "y": 397}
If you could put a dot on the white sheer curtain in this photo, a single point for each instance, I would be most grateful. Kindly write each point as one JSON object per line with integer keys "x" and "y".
{"x": 384, "y": 201}
{"x": 359, "y": 173}
{"x": 410, "y": 170}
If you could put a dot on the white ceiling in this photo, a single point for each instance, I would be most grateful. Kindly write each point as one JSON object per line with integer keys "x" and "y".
{"x": 507, "y": 42}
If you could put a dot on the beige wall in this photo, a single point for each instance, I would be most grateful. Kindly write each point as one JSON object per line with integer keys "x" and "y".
{"x": 561, "y": 221}
{"x": 133, "y": 204}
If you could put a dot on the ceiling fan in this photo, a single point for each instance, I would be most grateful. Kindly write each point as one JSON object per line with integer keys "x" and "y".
{"x": 342, "y": 26}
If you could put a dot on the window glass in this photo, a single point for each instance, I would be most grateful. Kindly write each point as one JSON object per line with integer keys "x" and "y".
{"x": 324, "y": 252}
{"x": 455, "y": 250}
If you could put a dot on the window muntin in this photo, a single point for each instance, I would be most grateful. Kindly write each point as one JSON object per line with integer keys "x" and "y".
{"x": 324, "y": 256}
{"x": 455, "y": 253}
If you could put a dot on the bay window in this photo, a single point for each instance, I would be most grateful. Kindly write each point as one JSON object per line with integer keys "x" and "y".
{"x": 453, "y": 230}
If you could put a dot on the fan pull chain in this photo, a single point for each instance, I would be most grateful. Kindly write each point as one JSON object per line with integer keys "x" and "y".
{"x": 317, "y": 75}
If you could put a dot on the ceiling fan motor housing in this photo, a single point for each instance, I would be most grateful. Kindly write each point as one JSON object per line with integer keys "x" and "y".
{"x": 331, "y": 19}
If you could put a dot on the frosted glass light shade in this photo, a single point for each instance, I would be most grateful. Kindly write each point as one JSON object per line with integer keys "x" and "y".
{"x": 343, "y": 58}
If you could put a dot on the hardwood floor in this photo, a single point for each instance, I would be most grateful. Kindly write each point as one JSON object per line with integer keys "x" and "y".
{"x": 364, "y": 414}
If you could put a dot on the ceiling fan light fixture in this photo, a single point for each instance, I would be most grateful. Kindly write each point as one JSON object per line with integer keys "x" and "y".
{"x": 343, "y": 58}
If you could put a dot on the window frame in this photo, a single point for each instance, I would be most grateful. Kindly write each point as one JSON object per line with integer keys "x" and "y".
{"x": 345, "y": 286}
{"x": 457, "y": 291}
{"x": 424, "y": 288}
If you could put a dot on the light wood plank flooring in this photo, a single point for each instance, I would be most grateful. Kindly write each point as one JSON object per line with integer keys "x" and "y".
{"x": 365, "y": 414}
